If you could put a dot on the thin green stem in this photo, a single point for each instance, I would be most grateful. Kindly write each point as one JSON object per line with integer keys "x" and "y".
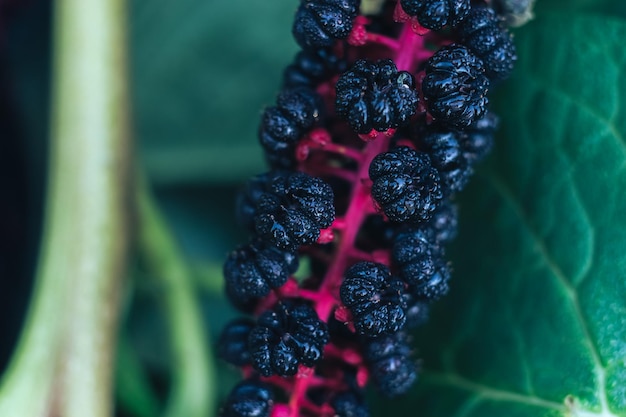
{"x": 132, "y": 385}
{"x": 193, "y": 388}
{"x": 62, "y": 365}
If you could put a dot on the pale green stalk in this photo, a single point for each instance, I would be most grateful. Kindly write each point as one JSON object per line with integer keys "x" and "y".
{"x": 63, "y": 362}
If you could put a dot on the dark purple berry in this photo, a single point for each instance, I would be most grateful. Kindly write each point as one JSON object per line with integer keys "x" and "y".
{"x": 484, "y": 34}
{"x": 444, "y": 222}
{"x": 374, "y": 298}
{"x": 416, "y": 255}
{"x": 455, "y": 86}
{"x": 375, "y": 95}
{"x": 405, "y": 185}
{"x": 312, "y": 66}
{"x": 248, "y": 198}
{"x": 435, "y": 14}
{"x": 252, "y": 270}
{"x": 286, "y": 337}
{"x": 320, "y": 23}
{"x": 477, "y": 140}
{"x": 436, "y": 286}
{"x": 297, "y": 110}
{"x": 294, "y": 210}
{"x": 248, "y": 399}
{"x": 349, "y": 404}
{"x": 447, "y": 157}
{"x": 233, "y": 342}
{"x": 389, "y": 359}
{"x": 420, "y": 262}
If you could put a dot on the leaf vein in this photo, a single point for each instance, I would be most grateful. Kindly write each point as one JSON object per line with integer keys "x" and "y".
{"x": 554, "y": 89}
{"x": 502, "y": 188}
{"x": 487, "y": 392}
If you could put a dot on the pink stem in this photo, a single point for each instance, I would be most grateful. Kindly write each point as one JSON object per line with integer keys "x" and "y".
{"x": 390, "y": 43}
{"x": 409, "y": 46}
{"x": 340, "y": 150}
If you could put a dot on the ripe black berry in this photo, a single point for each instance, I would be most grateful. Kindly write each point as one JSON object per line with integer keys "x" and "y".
{"x": 294, "y": 210}
{"x": 416, "y": 254}
{"x": 285, "y": 337}
{"x": 455, "y": 86}
{"x": 349, "y": 404}
{"x": 420, "y": 262}
{"x": 405, "y": 185}
{"x": 482, "y": 32}
{"x": 390, "y": 363}
{"x": 319, "y": 23}
{"x": 376, "y": 96}
{"x": 435, "y": 14}
{"x": 312, "y": 66}
{"x": 297, "y": 110}
{"x": 444, "y": 222}
{"x": 251, "y": 271}
{"x": 248, "y": 399}
{"x": 233, "y": 342}
{"x": 447, "y": 157}
{"x": 374, "y": 298}
{"x": 477, "y": 140}
{"x": 248, "y": 198}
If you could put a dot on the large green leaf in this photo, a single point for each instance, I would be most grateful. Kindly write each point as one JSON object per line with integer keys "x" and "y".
{"x": 203, "y": 71}
{"x": 536, "y": 321}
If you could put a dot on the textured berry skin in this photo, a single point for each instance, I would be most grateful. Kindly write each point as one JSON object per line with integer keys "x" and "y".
{"x": 294, "y": 210}
{"x": 447, "y": 157}
{"x": 482, "y": 32}
{"x": 251, "y": 271}
{"x": 375, "y": 95}
{"x": 390, "y": 363}
{"x": 416, "y": 255}
{"x": 233, "y": 342}
{"x": 320, "y": 23}
{"x": 248, "y": 399}
{"x": 477, "y": 140}
{"x": 349, "y": 404}
{"x": 455, "y": 86}
{"x": 312, "y": 66}
{"x": 297, "y": 110}
{"x": 286, "y": 337}
{"x": 374, "y": 298}
{"x": 444, "y": 223}
{"x": 405, "y": 185}
{"x": 420, "y": 262}
{"x": 248, "y": 198}
{"x": 435, "y": 14}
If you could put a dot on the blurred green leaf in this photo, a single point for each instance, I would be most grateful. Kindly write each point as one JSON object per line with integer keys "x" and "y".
{"x": 202, "y": 72}
{"x": 536, "y": 321}
{"x": 608, "y": 7}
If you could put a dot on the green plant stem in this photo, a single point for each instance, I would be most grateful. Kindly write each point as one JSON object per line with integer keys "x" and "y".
{"x": 132, "y": 386}
{"x": 193, "y": 388}
{"x": 62, "y": 365}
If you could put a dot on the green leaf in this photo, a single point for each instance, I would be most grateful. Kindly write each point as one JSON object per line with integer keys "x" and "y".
{"x": 535, "y": 324}
{"x": 608, "y": 7}
{"x": 202, "y": 72}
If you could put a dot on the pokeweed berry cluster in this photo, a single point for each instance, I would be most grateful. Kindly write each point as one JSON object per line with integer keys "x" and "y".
{"x": 379, "y": 125}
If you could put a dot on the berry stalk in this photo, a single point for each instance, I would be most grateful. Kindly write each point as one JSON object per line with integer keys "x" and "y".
{"x": 370, "y": 140}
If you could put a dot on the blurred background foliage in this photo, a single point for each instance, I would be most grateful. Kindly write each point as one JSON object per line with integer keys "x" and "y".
{"x": 201, "y": 72}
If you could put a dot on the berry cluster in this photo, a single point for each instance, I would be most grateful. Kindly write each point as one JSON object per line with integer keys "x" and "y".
{"x": 378, "y": 127}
